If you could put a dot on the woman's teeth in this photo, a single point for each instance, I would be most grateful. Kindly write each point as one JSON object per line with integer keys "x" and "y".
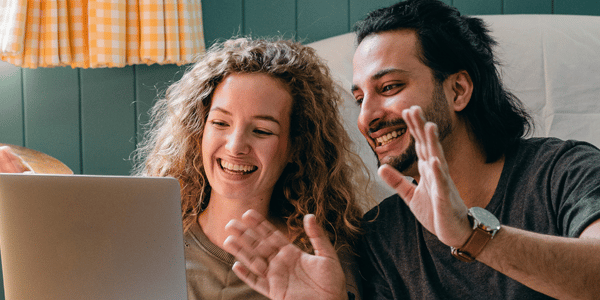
{"x": 237, "y": 168}
{"x": 385, "y": 139}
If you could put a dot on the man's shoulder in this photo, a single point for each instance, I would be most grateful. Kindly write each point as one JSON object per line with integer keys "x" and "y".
{"x": 547, "y": 143}
{"x": 541, "y": 149}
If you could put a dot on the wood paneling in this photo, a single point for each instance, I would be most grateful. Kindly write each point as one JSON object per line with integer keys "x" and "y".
{"x": 51, "y": 100}
{"x": 319, "y": 19}
{"x": 478, "y": 7}
{"x": 577, "y": 7}
{"x": 221, "y": 19}
{"x": 107, "y": 120}
{"x": 528, "y": 7}
{"x": 360, "y": 8}
{"x": 11, "y": 105}
{"x": 152, "y": 82}
{"x": 265, "y": 18}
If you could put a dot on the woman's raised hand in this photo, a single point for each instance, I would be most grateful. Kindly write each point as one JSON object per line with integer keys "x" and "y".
{"x": 276, "y": 268}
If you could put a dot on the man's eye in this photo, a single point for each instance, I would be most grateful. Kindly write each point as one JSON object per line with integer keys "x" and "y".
{"x": 359, "y": 102}
{"x": 390, "y": 87}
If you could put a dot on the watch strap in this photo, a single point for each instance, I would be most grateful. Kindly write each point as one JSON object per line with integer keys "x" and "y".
{"x": 474, "y": 245}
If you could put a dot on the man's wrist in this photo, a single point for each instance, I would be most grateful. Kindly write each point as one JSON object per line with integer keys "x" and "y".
{"x": 485, "y": 226}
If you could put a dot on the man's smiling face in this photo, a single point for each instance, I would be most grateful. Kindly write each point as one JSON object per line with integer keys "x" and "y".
{"x": 388, "y": 77}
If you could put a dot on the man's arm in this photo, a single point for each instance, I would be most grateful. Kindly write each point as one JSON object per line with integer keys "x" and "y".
{"x": 276, "y": 268}
{"x": 564, "y": 268}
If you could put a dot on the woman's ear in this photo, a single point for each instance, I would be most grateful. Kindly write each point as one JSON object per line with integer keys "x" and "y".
{"x": 462, "y": 87}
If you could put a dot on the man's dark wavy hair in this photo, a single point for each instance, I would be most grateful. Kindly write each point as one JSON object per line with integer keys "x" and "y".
{"x": 450, "y": 43}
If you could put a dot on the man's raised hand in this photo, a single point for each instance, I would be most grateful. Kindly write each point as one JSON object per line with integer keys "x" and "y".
{"x": 435, "y": 201}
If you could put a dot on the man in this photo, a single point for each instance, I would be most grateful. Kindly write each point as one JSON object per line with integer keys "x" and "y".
{"x": 490, "y": 215}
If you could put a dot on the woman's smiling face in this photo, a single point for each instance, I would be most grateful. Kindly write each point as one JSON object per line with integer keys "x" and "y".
{"x": 246, "y": 139}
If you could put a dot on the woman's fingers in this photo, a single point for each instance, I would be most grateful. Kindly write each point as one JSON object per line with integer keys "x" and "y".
{"x": 318, "y": 238}
{"x": 258, "y": 283}
{"x": 254, "y": 241}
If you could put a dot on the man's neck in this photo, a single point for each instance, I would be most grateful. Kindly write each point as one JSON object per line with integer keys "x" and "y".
{"x": 475, "y": 179}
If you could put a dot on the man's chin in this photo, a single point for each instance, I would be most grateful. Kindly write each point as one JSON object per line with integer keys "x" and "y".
{"x": 404, "y": 162}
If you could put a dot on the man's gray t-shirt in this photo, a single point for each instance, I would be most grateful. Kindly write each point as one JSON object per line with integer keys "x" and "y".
{"x": 547, "y": 186}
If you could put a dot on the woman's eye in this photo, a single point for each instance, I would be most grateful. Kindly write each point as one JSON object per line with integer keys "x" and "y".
{"x": 262, "y": 132}
{"x": 219, "y": 123}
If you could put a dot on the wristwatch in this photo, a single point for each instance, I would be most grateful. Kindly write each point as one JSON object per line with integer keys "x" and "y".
{"x": 485, "y": 227}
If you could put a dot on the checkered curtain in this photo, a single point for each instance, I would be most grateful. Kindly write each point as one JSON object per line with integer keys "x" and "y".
{"x": 100, "y": 33}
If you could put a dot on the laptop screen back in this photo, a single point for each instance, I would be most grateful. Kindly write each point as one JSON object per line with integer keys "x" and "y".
{"x": 91, "y": 237}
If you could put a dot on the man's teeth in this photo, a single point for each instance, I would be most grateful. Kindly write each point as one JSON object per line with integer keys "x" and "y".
{"x": 236, "y": 168}
{"x": 385, "y": 139}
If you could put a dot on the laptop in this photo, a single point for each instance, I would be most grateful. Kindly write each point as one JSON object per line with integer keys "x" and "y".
{"x": 91, "y": 237}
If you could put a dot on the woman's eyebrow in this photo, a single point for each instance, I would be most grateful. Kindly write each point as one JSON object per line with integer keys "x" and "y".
{"x": 267, "y": 118}
{"x": 259, "y": 117}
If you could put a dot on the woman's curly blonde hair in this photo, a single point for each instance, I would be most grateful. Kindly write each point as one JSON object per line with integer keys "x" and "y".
{"x": 322, "y": 178}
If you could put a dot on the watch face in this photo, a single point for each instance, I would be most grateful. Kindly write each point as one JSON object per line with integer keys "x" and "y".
{"x": 487, "y": 221}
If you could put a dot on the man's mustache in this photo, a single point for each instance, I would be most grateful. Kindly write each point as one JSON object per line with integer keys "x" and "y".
{"x": 388, "y": 123}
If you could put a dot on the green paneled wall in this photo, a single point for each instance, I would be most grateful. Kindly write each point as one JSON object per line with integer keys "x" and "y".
{"x": 92, "y": 119}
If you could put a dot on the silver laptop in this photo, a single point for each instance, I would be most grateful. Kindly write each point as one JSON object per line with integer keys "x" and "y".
{"x": 91, "y": 237}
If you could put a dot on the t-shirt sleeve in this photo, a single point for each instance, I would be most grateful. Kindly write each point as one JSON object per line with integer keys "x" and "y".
{"x": 575, "y": 186}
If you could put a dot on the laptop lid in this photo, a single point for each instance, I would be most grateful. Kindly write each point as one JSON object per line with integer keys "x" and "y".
{"x": 91, "y": 237}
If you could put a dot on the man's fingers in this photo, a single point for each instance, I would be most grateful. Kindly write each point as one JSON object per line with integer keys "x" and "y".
{"x": 318, "y": 238}
{"x": 397, "y": 181}
{"x": 435, "y": 147}
{"x": 416, "y": 124}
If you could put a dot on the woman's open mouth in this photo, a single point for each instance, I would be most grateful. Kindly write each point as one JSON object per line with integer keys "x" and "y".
{"x": 236, "y": 168}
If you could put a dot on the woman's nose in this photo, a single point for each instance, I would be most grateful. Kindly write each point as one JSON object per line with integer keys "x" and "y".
{"x": 237, "y": 143}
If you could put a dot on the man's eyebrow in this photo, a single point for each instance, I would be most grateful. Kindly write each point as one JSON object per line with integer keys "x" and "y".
{"x": 259, "y": 117}
{"x": 380, "y": 74}
{"x": 387, "y": 71}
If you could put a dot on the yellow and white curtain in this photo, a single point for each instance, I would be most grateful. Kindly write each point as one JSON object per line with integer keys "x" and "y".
{"x": 100, "y": 33}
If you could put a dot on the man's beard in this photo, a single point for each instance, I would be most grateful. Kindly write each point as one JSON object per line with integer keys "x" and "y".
{"x": 437, "y": 112}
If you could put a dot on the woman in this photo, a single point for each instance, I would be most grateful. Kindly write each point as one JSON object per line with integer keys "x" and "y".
{"x": 254, "y": 124}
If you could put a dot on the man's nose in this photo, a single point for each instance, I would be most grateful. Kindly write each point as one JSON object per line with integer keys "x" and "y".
{"x": 371, "y": 111}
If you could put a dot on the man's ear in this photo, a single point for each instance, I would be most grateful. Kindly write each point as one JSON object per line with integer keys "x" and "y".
{"x": 462, "y": 88}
